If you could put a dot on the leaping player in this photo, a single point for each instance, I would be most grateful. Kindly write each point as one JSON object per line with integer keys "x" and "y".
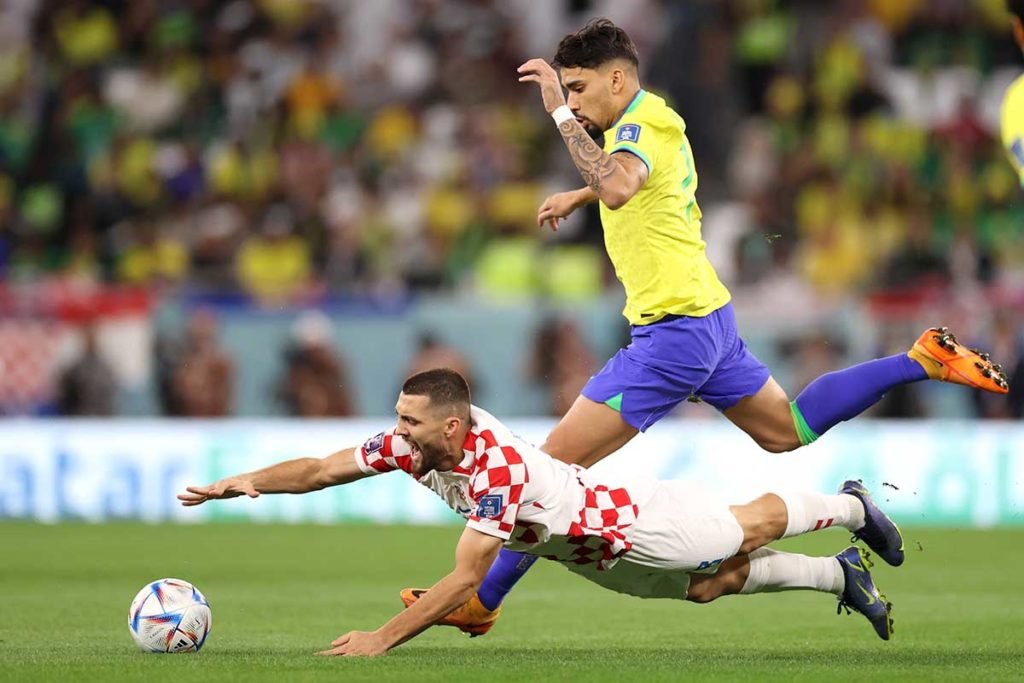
{"x": 684, "y": 336}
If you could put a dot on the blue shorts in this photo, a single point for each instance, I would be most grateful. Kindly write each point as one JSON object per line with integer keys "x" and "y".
{"x": 675, "y": 358}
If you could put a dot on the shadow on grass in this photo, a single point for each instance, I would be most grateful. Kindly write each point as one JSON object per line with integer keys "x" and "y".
{"x": 875, "y": 654}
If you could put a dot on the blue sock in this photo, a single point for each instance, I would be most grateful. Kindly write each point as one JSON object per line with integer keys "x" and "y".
{"x": 841, "y": 395}
{"x": 506, "y": 571}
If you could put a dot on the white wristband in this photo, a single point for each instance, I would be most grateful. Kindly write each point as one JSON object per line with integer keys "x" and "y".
{"x": 562, "y": 114}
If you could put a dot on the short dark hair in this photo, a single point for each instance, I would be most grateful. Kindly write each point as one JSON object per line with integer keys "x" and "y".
{"x": 1016, "y": 8}
{"x": 444, "y": 387}
{"x": 598, "y": 42}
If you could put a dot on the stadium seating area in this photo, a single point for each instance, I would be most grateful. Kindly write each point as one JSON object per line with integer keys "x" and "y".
{"x": 283, "y": 154}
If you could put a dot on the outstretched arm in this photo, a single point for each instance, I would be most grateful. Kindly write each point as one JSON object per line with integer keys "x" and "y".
{"x": 614, "y": 179}
{"x": 292, "y": 476}
{"x": 473, "y": 557}
{"x": 559, "y": 205}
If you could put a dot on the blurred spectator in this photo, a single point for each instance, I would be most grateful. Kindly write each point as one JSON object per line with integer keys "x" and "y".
{"x": 561, "y": 362}
{"x": 152, "y": 258}
{"x": 274, "y": 266}
{"x": 431, "y": 353}
{"x": 905, "y": 400}
{"x": 88, "y": 386}
{"x": 917, "y": 262}
{"x": 763, "y": 37}
{"x": 196, "y": 375}
{"x": 812, "y": 355}
{"x": 1004, "y": 344}
{"x": 315, "y": 383}
{"x": 145, "y": 97}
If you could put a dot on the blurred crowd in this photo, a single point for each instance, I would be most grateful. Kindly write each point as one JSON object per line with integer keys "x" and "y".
{"x": 870, "y": 155}
{"x": 281, "y": 148}
{"x": 295, "y": 150}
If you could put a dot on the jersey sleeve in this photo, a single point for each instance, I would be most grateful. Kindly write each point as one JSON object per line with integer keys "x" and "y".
{"x": 638, "y": 136}
{"x": 496, "y": 489}
{"x": 384, "y": 452}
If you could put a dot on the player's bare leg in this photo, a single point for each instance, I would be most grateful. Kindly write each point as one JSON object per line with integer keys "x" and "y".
{"x": 728, "y": 580}
{"x": 846, "y": 575}
{"x": 778, "y": 424}
{"x": 758, "y": 569}
{"x": 763, "y": 520}
{"x": 767, "y": 418}
{"x": 587, "y": 433}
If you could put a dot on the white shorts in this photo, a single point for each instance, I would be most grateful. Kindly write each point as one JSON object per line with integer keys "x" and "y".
{"x": 680, "y": 530}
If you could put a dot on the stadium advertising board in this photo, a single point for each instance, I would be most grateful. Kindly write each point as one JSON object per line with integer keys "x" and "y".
{"x": 937, "y": 474}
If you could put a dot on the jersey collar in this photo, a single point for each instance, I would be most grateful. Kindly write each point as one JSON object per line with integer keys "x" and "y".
{"x": 633, "y": 104}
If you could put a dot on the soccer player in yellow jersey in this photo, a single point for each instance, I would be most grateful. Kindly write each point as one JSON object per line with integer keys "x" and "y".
{"x": 1013, "y": 102}
{"x": 684, "y": 337}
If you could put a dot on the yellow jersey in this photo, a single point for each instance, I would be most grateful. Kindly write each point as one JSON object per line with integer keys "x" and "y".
{"x": 1013, "y": 125}
{"x": 654, "y": 240}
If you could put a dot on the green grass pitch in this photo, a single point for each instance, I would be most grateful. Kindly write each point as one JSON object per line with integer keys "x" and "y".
{"x": 279, "y": 593}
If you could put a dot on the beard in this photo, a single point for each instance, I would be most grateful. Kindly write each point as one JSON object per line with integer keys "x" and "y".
{"x": 425, "y": 457}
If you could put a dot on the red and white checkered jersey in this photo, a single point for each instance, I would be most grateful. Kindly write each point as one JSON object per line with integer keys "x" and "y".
{"x": 508, "y": 488}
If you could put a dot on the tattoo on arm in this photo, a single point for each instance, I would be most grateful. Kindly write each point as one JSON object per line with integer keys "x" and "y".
{"x": 594, "y": 165}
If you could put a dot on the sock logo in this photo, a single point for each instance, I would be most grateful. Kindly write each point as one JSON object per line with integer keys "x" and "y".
{"x": 823, "y": 523}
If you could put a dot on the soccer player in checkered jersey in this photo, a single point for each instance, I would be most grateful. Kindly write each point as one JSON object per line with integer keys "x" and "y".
{"x": 1013, "y": 102}
{"x": 684, "y": 336}
{"x": 645, "y": 538}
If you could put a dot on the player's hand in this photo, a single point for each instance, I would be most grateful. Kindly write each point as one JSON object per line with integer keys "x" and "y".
{"x": 540, "y": 72}
{"x": 555, "y": 208}
{"x": 225, "y": 488}
{"x": 357, "y": 644}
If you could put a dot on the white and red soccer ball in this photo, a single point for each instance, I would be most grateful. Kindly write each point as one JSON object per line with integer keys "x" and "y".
{"x": 169, "y": 615}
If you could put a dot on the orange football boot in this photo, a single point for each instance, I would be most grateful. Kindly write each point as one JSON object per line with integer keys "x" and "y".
{"x": 947, "y": 360}
{"x": 472, "y": 618}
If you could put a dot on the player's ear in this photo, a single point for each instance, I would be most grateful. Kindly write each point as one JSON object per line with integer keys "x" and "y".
{"x": 618, "y": 80}
{"x": 451, "y": 426}
{"x": 1018, "y": 32}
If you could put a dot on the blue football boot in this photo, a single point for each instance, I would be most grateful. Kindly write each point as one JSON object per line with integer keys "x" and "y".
{"x": 860, "y": 593}
{"x": 879, "y": 532}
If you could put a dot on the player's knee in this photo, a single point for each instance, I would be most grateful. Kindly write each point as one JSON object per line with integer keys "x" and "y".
{"x": 702, "y": 596}
{"x": 779, "y": 443}
{"x": 560, "y": 449}
{"x": 704, "y": 591}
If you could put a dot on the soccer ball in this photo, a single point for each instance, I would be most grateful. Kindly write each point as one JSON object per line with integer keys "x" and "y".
{"x": 169, "y": 615}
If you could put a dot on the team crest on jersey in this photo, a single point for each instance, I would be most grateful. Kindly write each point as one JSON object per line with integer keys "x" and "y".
{"x": 490, "y": 506}
{"x": 375, "y": 444}
{"x": 628, "y": 132}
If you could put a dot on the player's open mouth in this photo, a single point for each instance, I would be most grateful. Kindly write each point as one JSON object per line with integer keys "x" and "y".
{"x": 417, "y": 455}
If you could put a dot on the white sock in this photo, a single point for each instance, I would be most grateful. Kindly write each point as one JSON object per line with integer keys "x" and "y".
{"x": 774, "y": 570}
{"x": 813, "y": 511}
